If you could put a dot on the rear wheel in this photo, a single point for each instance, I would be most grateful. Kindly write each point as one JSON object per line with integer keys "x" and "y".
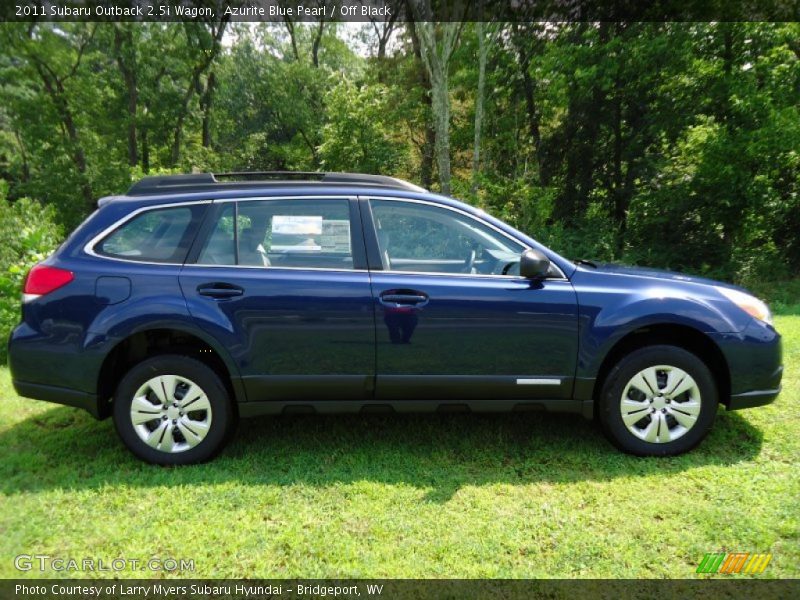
{"x": 658, "y": 401}
{"x": 173, "y": 410}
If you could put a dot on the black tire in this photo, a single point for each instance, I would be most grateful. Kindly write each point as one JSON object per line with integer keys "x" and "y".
{"x": 610, "y": 414}
{"x": 222, "y": 418}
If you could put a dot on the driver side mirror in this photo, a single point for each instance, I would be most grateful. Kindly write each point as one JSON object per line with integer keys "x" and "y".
{"x": 533, "y": 264}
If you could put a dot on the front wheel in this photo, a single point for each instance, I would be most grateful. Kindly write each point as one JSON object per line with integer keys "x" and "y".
{"x": 658, "y": 401}
{"x": 173, "y": 410}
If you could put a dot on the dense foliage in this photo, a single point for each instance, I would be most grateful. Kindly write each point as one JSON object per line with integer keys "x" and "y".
{"x": 29, "y": 234}
{"x": 671, "y": 144}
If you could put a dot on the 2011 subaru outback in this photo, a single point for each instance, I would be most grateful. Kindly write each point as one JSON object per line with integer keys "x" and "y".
{"x": 194, "y": 300}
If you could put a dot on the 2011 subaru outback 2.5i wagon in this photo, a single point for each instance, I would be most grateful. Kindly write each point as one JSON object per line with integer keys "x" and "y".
{"x": 194, "y": 300}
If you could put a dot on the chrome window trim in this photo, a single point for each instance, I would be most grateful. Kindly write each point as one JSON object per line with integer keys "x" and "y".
{"x": 88, "y": 248}
{"x": 562, "y": 276}
{"x": 303, "y": 197}
{"x": 271, "y": 268}
{"x": 514, "y": 278}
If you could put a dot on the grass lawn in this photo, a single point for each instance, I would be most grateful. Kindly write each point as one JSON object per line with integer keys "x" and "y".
{"x": 421, "y": 496}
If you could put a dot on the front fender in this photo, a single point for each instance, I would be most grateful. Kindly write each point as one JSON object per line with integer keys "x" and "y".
{"x": 613, "y": 306}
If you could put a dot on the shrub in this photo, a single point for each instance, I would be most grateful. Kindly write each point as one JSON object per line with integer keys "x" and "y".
{"x": 29, "y": 234}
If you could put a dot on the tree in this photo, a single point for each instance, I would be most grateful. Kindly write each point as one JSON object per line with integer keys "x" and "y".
{"x": 428, "y": 143}
{"x": 204, "y": 39}
{"x": 357, "y": 134}
{"x": 125, "y": 53}
{"x": 383, "y": 29}
{"x": 483, "y": 49}
{"x": 527, "y": 41}
{"x": 436, "y": 50}
{"x": 669, "y": 144}
{"x": 54, "y": 53}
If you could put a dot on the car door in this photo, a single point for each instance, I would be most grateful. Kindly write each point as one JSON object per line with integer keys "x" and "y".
{"x": 282, "y": 282}
{"x": 453, "y": 320}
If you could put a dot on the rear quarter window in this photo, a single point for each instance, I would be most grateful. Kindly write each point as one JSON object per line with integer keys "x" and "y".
{"x": 156, "y": 235}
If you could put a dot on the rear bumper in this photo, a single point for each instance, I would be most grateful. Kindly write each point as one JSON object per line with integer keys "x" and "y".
{"x": 59, "y": 395}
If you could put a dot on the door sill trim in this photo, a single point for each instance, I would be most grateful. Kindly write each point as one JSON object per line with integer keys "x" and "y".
{"x": 330, "y": 407}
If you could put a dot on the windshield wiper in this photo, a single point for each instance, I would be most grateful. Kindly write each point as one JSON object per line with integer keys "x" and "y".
{"x": 583, "y": 261}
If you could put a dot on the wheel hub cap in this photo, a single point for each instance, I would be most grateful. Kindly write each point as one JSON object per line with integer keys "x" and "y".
{"x": 660, "y": 404}
{"x": 171, "y": 413}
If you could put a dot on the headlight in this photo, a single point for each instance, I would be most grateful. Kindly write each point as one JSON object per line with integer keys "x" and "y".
{"x": 749, "y": 304}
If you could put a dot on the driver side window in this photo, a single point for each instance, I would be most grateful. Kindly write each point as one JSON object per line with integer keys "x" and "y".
{"x": 422, "y": 238}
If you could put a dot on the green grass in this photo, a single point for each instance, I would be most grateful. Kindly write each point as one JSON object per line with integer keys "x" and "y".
{"x": 423, "y": 496}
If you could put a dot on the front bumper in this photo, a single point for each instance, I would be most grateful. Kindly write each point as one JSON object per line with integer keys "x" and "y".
{"x": 757, "y": 397}
{"x": 754, "y": 360}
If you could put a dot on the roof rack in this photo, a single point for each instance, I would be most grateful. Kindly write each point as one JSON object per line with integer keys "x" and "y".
{"x": 245, "y": 179}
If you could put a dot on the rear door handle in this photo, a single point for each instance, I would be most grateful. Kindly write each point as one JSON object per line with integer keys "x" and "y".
{"x": 404, "y": 298}
{"x": 220, "y": 290}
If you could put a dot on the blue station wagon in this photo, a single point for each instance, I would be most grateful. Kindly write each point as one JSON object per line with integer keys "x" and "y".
{"x": 194, "y": 300}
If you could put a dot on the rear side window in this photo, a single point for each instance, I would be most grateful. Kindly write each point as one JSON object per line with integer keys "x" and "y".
{"x": 157, "y": 235}
{"x": 300, "y": 234}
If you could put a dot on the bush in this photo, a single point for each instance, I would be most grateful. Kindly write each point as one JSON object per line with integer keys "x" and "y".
{"x": 530, "y": 207}
{"x": 783, "y": 297}
{"x": 29, "y": 234}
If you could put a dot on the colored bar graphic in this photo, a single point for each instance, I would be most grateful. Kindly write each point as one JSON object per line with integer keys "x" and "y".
{"x": 734, "y": 562}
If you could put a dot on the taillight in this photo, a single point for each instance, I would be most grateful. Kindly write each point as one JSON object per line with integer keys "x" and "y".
{"x": 43, "y": 279}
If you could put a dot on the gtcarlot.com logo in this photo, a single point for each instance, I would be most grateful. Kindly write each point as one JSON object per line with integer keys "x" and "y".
{"x": 734, "y": 562}
{"x": 44, "y": 562}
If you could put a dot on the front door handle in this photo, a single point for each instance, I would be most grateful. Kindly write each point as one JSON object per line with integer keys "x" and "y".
{"x": 403, "y": 298}
{"x": 220, "y": 290}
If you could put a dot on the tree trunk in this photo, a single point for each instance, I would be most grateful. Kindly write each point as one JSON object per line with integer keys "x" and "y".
{"x": 441, "y": 123}
{"x": 122, "y": 43}
{"x": 476, "y": 152}
{"x": 55, "y": 89}
{"x": 426, "y": 153}
{"x": 582, "y": 126}
{"x": 145, "y": 152}
{"x": 533, "y": 120}
{"x": 383, "y": 31}
{"x": 198, "y": 71}
{"x": 520, "y": 37}
{"x": 618, "y": 193}
{"x": 205, "y": 104}
{"x": 315, "y": 44}
{"x": 312, "y": 148}
{"x": 290, "y": 28}
{"x": 26, "y": 170}
{"x": 177, "y": 140}
{"x": 436, "y": 58}
{"x": 133, "y": 98}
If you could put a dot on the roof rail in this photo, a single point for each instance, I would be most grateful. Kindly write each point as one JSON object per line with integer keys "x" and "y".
{"x": 244, "y": 179}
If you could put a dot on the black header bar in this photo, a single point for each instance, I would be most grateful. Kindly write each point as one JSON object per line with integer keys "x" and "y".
{"x": 398, "y": 10}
